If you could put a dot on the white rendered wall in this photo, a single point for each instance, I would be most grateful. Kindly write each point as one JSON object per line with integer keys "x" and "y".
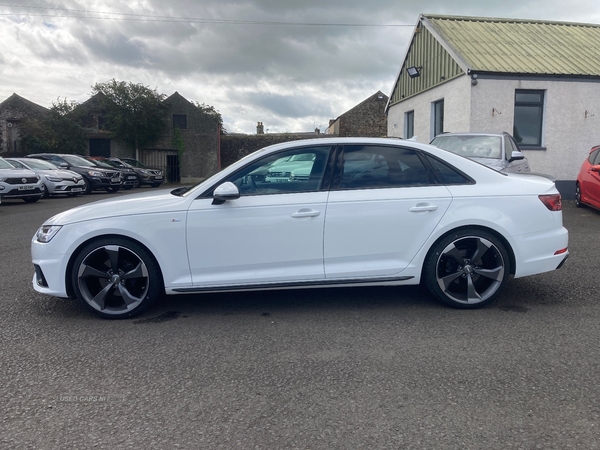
{"x": 456, "y": 95}
{"x": 571, "y": 117}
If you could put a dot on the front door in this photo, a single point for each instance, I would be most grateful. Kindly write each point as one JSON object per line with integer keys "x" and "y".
{"x": 272, "y": 234}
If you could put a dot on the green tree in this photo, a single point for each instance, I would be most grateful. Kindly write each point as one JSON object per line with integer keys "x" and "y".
{"x": 56, "y": 132}
{"x": 213, "y": 113}
{"x": 133, "y": 113}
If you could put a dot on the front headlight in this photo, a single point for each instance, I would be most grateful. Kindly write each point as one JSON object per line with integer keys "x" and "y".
{"x": 46, "y": 233}
{"x": 93, "y": 173}
{"x": 53, "y": 179}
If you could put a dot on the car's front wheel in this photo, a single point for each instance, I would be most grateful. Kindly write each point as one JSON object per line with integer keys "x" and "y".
{"x": 88, "y": 186}
{"x": 116, "y": 278}
{"x": 467, "y": 268}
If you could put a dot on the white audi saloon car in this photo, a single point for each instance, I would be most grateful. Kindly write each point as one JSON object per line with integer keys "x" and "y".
{"x": 425, "y": 215}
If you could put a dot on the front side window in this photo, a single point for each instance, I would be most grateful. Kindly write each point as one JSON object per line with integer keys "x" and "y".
{"x": 297, "y": 170}
{"x": 529, "y": 117}
{"x": 368, "y": 167}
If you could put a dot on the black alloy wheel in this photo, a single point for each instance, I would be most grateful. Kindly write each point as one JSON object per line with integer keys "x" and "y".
{"x": 467, "y": 268}
{"x": 116, "y": 278}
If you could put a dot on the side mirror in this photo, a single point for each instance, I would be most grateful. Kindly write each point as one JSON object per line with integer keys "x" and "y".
{"x": 595, "y": 168}
{"x": 516, "y": 155}
{"x": 224, "y": 192}
{"x": 63, "y": 165}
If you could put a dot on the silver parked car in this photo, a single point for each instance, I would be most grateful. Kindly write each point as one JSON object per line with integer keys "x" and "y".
{"x": 56, "y": 181}
{"x": 499, "y": 151}
{"x": 19, "y": 183}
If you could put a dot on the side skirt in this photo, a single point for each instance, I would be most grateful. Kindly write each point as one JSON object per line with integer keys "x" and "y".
{"x": 287, "y": 285}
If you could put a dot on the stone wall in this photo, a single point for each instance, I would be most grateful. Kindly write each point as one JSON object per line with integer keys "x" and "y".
{"x": 236, "y": 146}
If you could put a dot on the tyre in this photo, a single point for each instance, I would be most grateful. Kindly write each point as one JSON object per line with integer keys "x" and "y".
{"x": 112, "y": 189}
{"x": 31, "y": 199}
{"x": 578, "y": 196}
{"x": 467, "y": 268}
{"x": 88, "y": 186}
{"x": 46, "y": 192}
{"x": 116, "y": 278}
{"x": 72, "y": 194}
{"x": 155, "y": 185}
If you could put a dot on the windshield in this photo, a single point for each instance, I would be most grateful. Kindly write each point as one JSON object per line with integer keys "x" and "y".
{"x": 103, "y": 163}
{"x": 134, "y": 163}
{"x": 471, "y": 146}
{"x": 5, "y": 165}
{"x": 39, "y": 164}
{"x": 74, "y": 160}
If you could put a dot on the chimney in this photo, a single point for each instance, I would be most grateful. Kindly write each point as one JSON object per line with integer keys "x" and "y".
{"x": 260, "y": 129}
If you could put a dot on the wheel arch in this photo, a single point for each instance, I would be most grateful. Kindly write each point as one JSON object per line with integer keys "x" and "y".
{"x": 495, "y": 233}
{"x": 68, "y": 285}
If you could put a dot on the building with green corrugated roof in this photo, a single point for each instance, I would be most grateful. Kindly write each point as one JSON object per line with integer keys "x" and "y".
{"x": 538, "y": 80}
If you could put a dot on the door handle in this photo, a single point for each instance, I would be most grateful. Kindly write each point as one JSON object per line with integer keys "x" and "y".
{"x": 420, "y": 207}
{"x": 305, "y": 212}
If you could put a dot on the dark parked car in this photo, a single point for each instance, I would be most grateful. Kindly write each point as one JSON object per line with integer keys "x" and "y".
{"x": 587, "y": 188}
{"x": 95, "y": 177}
{"x": 130, "y": 177}
{"x": 499, "y": 151}
{"x": 148, "y": 175}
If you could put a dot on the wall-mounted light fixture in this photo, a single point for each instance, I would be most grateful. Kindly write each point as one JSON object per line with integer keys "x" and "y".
{"x": 413, "y": 71}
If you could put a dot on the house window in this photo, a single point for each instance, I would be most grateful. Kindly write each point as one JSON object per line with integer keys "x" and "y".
{"x": 409, "y": 124}
{"x": 180, "y": 121}
{"x": 529, "y": 117}
{"x": 437, "y": 118}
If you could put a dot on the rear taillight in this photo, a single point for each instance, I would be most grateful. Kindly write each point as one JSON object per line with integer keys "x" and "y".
{"x": 552, "y": 202}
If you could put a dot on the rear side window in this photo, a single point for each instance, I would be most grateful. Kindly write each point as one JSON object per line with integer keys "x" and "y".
{"x": 369, "y": 166}
{"x": 448, "y": 174}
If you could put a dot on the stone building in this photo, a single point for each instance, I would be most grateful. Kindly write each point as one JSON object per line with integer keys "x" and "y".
{"x": 196, "y": 159}
{"x": 12, "y": 111}
{"x": 367, "y": 119}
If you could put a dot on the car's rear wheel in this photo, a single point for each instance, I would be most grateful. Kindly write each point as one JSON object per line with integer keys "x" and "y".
{"x": 467, "y": 268}
{"x": 578, "y": 196}
{"x": 116, "y": 278}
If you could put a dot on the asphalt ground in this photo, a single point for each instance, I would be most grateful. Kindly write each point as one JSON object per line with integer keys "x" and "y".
{"x": 376, "y": 368}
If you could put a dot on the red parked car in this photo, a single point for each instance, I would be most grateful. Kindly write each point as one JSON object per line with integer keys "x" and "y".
{"x": 587, "y": 188}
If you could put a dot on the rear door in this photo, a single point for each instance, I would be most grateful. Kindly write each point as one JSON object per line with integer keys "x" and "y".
{"x": 379, "y": 214}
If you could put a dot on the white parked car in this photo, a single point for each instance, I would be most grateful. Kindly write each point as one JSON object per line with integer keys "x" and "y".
{"x": 56, "y": 181}
{"x": 19, "y": 183}
{"x": 428, "y": 216}
{"x": 499, "y": 151}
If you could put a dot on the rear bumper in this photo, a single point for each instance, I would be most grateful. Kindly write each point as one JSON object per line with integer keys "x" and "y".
{"x": 541, "y": 252}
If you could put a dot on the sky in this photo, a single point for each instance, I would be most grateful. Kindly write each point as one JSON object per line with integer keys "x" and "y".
{"x": 291, "y": 64}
